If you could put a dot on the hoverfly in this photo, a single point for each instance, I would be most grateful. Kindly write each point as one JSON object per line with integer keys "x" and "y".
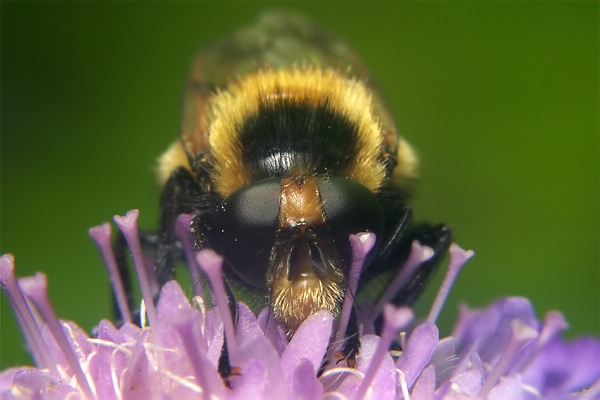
{"x": 286, "y": 149}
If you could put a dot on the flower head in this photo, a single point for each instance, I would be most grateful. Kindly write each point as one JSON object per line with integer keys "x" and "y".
{"x": 501, "y": 352}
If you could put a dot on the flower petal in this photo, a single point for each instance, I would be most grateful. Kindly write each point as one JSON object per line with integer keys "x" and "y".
{"x": 384, "y": 383}
{"x": 419, "y": 349}
{"x": 272, "y": 330}
{"x": 565, "y": 366}
{"x": 309, "y": 342}
{"x": 305, "y": 384}
{"x": 509, "y": 387}
{"x": 490, "y": 330}
{"x": 38, "y": 384}
{"x": 110, "y": 360}
{"x": 425, "y": 385}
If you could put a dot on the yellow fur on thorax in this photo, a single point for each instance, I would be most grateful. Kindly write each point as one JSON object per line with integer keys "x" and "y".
{"x": 229, "y": 109}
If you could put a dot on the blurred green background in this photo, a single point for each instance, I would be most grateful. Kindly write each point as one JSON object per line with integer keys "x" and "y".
{"x": 499, "y": 98}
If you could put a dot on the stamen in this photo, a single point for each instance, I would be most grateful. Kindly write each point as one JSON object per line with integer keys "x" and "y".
{"x": 129, "y": 228}
{"x": 521, "y": 335}
{"x": 143, "y": 323}
{"x": 113, "y": 375}
{"x": 403, "y": 384}
{"x": 342, "y": 371}
{"x": 334, "y": 396}
{"x": 182, "y": 230}
{"x": 35, "y": 288}
{"x": 361, "y": 244}
{"x": 101, "y": 236}
{"x": 418, "y": 255}
{"x": 212, "y": 265}
{"x": 402, "y": 338}
{"x": 108, "y": 343}
{"x": 394, "y": 319}
{"x": 333, "y": 376}
{"x": 25, "y": 317}
{"x": 182, "y": 381}
{"x": 458, "y": 258}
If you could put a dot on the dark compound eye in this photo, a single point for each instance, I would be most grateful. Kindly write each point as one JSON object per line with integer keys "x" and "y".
{"x": 244, "y": 229}
{"x": 350, "y": 208}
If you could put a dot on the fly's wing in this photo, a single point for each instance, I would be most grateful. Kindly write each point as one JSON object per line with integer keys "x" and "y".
{"x": 277, "y": 40}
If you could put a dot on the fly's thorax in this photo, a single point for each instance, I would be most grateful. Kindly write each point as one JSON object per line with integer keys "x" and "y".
{"x": 270, "y": 122}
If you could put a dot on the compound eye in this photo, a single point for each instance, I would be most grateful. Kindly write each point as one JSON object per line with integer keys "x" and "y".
{"x": 350, "y": 208}
{"x": 244, "y": 229}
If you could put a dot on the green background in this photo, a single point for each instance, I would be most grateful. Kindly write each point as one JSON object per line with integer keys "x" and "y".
{"x": 499, "y": 98}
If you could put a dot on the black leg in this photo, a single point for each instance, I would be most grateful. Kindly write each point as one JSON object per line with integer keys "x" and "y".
{"x": 226, "y": 371}
{"x": 351, "y": 346}
{"x": 181, "y": 194}
{"x": 394, "y": 234}
{"x": 395, "y": 249}
{"x": 437, "y": 237}
{"x": 200, "y": 229}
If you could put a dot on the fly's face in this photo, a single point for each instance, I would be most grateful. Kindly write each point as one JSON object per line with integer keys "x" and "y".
{"x": 312, "y": 253}
{"x": 290, "y": 236}
{"x": 305, "y": 274}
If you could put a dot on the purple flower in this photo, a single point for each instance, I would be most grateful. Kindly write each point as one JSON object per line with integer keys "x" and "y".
{"x": 501, "y": 352}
